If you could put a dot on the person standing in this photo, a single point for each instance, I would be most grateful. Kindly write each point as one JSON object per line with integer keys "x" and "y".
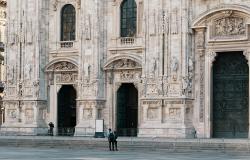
{"x": 51, "y": 127}
{"x": 115, "y": 140}
{"x": 111, "y": 138}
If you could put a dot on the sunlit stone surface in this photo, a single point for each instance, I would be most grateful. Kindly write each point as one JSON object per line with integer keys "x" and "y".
{"x": 156, "y": 83}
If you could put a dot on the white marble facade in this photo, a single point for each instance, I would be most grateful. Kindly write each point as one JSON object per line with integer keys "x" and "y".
{"x": 169, "y": 61}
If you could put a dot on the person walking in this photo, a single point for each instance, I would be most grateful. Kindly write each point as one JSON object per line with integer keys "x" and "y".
{"x": 115, "y": 140}
{"x": 111, "y": 138}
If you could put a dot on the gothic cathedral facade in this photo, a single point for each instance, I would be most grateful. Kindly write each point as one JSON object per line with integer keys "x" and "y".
{"x": 147, "y": 68}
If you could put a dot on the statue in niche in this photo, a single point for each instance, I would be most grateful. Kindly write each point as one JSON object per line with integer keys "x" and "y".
{"x": 190, "y": 68}
{"x": 27, "y": 71}
{"x": 154, "y": 66}
{"x": 37, "y": 89}
{"x": 186, "y": 85}
{"x": 87, "y": 28}
{"x": 11, "y": 73}
{"x": 87, "y": 69}
{"x": 174, "y": 67}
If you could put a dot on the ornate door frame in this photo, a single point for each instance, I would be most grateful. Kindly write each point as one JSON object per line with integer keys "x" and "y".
{"x": 121, "y": 69}
{"x": 59, "y": 72}
{"x": 210, "y": 41}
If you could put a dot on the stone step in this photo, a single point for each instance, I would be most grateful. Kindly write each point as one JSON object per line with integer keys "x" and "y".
{"x": 170, "y": 145}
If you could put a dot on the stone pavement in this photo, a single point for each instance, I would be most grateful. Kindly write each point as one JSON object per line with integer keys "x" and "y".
{"x": 17, "y": 153}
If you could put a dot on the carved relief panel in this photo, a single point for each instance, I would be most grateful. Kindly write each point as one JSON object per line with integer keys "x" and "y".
{"x": 229, "y": 26}
{"x": 151, "y": 110}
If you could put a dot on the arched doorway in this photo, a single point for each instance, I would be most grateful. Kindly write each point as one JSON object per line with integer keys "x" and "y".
{"x": 66, "y": 110}
{"x": 230, "y": 96}
{"x": 127, "y": 110}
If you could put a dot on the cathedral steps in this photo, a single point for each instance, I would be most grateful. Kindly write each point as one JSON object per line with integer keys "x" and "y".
{"x": 157, "y": 144}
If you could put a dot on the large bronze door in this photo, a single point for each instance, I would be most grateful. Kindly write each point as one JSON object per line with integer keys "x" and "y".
{"x": 127, "y": 110}
{"x": 230, "y": 96}
{"x": 66, "y": 110}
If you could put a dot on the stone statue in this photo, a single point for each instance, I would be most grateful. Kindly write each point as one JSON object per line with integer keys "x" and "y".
{"x": 87, "y": 28}
{"x": 184, "y": 85}
{"x": 55, "y": 5}
{"x": 190, "y": 68}
{"x": 174, "y": 64}
{"x": 174, "y": 68}
{"x": 154, "y": 66}
{"x": 27, "y": 71}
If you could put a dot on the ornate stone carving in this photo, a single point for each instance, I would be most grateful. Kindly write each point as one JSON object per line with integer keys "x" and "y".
{"x": 202, "y": 87}
{"x": 62, "y": 66}
{"x": 78, "y": 4}
{"x": 127, "y": 75}
{"x": 227, "y": 13}
{"x": 87, "y": 114}
{"x": 29, "y": 116}
{"x": 10, "y": 91}
{"x": 246, "y": 54}
{"x": 229, "y": 26}
{"x": 12, "y": 113}
{"x": 200, "y": 39}
{"x": 152, "y": 89}
{"x": 174, "y": 112}
{"x": 89, "y": 90}
{"x": 152, "y": 114}
{"x": 164, "y": 22}
{"x": 124, "y": 64}
{"x": 66, "y": 77}
{"x": 55, "y": 5}
{"x": 174, "y": 89}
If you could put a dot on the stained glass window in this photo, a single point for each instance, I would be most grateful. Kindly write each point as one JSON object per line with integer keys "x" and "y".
{"x": 128, "y": 18}
{"x": 68, "y": 20}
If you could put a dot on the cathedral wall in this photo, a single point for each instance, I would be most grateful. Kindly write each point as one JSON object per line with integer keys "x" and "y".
{"x": 165, "y": 60}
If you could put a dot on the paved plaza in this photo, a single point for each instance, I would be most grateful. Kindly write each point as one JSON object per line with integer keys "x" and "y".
{"x": 11, "y": 153}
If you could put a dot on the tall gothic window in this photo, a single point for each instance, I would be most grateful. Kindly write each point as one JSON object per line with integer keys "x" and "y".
{"x": 68, "y": 23}
{"x": 128, "y": 18}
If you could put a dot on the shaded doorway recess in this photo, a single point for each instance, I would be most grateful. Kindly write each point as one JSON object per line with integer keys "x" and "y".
{"x": 127, "y": 110}
{"x": 230, "y": 96}
{"x": 66, "y": 110}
